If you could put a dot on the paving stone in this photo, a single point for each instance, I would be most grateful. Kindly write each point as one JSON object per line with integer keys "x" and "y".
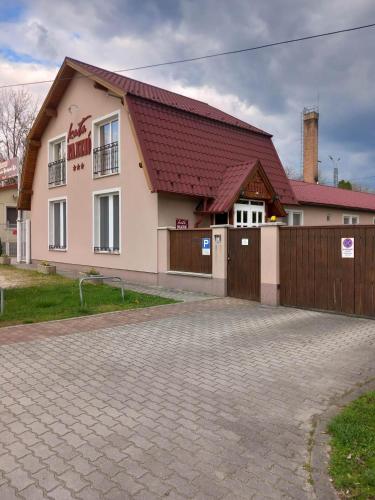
{"x": 208, "y": 399}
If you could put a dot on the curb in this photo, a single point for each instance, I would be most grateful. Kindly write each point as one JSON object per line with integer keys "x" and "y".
{"x": 319, "y": 457}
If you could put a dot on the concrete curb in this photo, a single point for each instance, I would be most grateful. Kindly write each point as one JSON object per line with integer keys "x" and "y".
{"x": 323, "y": 487}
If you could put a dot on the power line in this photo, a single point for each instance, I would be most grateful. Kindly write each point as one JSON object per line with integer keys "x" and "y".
{"x": 210, "y": 56}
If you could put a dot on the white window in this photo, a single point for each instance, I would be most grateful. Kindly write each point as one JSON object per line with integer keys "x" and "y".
{"x": 57, "y": 224}
{"x": 350, "y": 219}
{"x": 107, "y": 222}
{"x": 294, "y": 217}
{"x": 57, "y": 162}
{"x": 249, "y": 213}
{"x": 106, "y": 146}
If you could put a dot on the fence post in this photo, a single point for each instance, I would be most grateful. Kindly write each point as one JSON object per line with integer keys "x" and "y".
{"x": 163, "y": 249}
{"x": 28, "y": 241}
{"x": 219, "y": 247}
{"x": 270, "y": 264}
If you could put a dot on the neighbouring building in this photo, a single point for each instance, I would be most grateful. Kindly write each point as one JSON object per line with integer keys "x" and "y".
{"x": 8, "y": 206}
{"x": 109, "y": 160}
{"x": 320, "y": 205}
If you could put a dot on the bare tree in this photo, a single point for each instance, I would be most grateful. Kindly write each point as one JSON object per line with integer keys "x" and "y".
{"x": 17, "y": 112}
{"x": 292, "y": 173}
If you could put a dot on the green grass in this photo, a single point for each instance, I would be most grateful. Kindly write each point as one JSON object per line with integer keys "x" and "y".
{"x": 352, "y": 464}
{"x": 47, "y": 298}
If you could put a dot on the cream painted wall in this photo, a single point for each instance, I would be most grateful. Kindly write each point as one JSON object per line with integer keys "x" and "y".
{"x": 8, "y": 198}
{"x": 139, "y": 218}
{"x": 172, "y": 207}
{"x": 317, "y": 216}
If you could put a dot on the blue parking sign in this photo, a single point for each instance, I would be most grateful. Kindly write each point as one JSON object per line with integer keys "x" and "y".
{"x": 206, "y": 246}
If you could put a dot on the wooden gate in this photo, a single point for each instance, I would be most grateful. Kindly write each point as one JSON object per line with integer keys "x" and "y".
{"x": 313, "y": 273}
{"x": 244, "y": 263}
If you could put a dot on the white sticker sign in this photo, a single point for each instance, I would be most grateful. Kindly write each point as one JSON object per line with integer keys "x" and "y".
{"x": 245, "y": 242}
{"x": 347, "y": 248}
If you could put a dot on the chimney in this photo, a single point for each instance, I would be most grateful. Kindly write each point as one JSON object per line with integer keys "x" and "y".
{"x": 310, "y": 145}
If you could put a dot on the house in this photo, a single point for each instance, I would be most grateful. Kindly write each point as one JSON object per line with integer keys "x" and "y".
{"x": 8, "y": 206}
{"x": 110, "y": 161}
{"x": 320, "y": 205}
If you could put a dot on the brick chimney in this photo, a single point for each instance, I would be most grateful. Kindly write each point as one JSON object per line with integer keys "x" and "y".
{"x": 310, "y": 145}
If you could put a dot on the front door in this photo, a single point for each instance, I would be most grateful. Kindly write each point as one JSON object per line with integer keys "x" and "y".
{"x": 244, "y": 263}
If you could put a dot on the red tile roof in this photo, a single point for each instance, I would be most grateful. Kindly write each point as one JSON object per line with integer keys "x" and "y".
{"x": 317, "y": 194}
{"x": 189, "y": 154}
{"x": 157, "y": 94}
{"x": 231, "y": 183}
{"x": 187, "y": 145}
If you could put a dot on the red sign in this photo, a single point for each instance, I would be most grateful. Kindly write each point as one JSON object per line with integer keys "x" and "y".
{"x": 81, "y": 147}
{"x": 8, "y": 169}
{"x": 182, "y": 224}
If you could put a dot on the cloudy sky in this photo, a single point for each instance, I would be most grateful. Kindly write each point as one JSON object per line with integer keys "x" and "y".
{"x": 268, "y": 88}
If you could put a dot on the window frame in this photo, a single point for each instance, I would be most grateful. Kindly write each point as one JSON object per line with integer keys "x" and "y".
{"x": 51, "y": 143}
{"x": 249, "y": 206}
{"x": 50, "y": 202}
{"x": 6, "y": 206}
{"x": 290, "y": 214}
{"x": 96, "y": 224}
{"x": 351, "y": 219}
{"x": 95, "y": 124}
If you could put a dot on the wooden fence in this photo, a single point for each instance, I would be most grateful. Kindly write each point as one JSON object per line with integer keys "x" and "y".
{"x": 186, "y": 251}
{"x": 313, "y": 273}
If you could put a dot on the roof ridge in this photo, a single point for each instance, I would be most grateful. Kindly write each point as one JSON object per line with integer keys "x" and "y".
{"x": 209, "y": 112}
{"x": 309, "y": 184}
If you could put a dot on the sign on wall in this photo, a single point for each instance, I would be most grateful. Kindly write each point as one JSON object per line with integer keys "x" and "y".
{"x": 206, "y": 246}
{"x": 347, "y": 248}
{"x": 83, "y": 146}
{"x": 8, "y": 169}
{"x": 182, "y": 224}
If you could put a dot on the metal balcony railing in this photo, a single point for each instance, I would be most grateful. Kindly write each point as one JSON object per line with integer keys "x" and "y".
{"x": 106, "y": 160}
{"x": 107, "y": 249}
{"x": 57, "y": 173}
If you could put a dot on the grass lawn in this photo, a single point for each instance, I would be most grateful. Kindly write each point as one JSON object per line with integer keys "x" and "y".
{"x": 40, "y": 297}
{"x": 352, "y": 465}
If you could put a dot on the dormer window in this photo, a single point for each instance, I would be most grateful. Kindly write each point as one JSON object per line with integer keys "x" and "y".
{"x": 57, "y": 162}
{"x": 106, "y": 146}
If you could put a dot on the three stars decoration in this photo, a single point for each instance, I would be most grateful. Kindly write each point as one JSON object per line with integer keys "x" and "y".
{"x": 79, "y": 166}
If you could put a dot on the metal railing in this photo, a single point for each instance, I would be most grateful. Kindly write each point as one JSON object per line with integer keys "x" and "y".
{"x": 100, "y": 278}
{"x": 106, "y": 159}
{"x": 107, "y": 249}
{"x": 57, "y": 173}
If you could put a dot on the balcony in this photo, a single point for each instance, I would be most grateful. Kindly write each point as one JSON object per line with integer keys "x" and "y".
{"x": 106, "y": 160}
{"x": 57, "y": 173}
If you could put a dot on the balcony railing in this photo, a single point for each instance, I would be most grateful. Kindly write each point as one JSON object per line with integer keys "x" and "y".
{"x": 107, "y": 249}
{"x": 57, "y": 173}
{"x": 57, "y": 247}
{"x": 106, "y": 160}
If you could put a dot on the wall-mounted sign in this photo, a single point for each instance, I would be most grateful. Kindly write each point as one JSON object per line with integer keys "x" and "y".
{"x": 347, "y": 248}
{"x": 182, "y": 224}
{"x": 83, "y": 146}
{"x": 8, "y": 169}
{"x": 245, "y": 242}
{"x": 206, "y": 246}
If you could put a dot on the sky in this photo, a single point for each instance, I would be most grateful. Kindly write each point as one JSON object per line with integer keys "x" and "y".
{"x": 267, "y": 88}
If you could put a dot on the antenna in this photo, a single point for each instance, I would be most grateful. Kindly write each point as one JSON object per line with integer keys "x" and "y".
{"x": 335, "y": 176}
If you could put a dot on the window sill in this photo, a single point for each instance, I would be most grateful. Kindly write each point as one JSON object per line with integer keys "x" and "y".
{"x": 53, "y": 186}
{"x": 97, "y": 176}
{"x": 106, "y": 252}
{"x": 57, "y": 249}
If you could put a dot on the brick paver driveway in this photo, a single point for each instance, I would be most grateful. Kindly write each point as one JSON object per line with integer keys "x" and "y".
{"x": 212, "y": 403}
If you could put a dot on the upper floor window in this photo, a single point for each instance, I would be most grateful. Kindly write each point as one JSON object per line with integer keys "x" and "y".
{"x": 106, "y": 146}
{"x": 57, "y": 162}
{"x": 294, "y": 217}
{"x": 350, "y": 219}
